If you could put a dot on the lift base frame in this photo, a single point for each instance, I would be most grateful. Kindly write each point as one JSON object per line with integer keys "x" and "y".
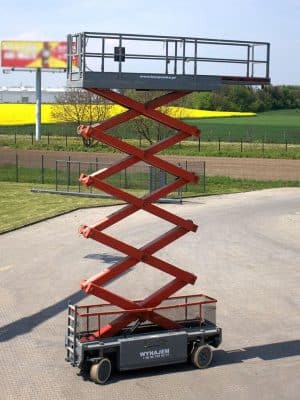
{"x": 142, "y": 344}
{"x": 151, "y": 349}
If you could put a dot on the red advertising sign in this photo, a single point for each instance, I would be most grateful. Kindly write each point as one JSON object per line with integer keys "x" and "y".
{"x": 21, "y": 54}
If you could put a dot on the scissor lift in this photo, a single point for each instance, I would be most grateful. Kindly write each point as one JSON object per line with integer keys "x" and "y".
{"x": 160, "y": 329}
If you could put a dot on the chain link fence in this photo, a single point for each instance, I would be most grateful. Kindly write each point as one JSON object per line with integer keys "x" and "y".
{"x": 62, "y": 176}
{"x": 207, "y": 144}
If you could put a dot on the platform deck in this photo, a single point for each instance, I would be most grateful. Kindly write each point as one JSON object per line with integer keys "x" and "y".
{"x": 122, "y": 61}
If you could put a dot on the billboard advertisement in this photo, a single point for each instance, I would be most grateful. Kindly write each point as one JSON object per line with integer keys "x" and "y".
{"x": 33, "y": 54}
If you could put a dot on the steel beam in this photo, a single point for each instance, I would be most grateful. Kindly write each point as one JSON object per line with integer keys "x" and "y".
{"x": 145, "y": 254}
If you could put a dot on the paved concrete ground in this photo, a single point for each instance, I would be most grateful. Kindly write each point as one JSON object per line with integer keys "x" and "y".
{"x": 246, "y": 253}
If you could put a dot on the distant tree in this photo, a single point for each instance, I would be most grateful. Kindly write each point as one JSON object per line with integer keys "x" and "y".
{"x": 81, "y": 107}
{"x": 241, "y": 97}
{"x": 145, "y": 127}
{"x": 295, "y": 92}
{"x": 205, "y": 100}
{"x": 244, "y": 98}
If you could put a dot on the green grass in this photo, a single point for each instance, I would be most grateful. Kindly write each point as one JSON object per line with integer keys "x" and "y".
{"x": 187, "y": 148}
{"x": 234, "y": 149}
{"x": 59, "y": 129}
{"x": 221, "y": 184}
{"x": 19, "y": 206}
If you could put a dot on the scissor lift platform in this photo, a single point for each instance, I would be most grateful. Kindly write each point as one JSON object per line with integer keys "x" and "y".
{"x": 147, "y": 62}
{"x": 142, "y": 344}
{"x": 159, "y": 329}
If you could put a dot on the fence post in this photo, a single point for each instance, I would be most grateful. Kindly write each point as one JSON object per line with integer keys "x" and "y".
{"x": 286, "y": 145}
{"x": 186, "y": 168}
{"x": 17, "y": 168}
{"x": 42, "y": 168}
{"x": 199, "y": 143}
{"x": 68, "y": 173}
{"x": 66, "y": 139}
{"x": 263, "y": 146}
{"x": 241, "y": 145}
{"x": 15, "y": 136}
{"x": 48, "y": 139}
{"x": 56, "y": 184}
{"x": 31, "y": 137}
{"x": 219, "y": 144}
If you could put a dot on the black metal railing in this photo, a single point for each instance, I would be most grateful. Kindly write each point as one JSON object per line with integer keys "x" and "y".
{"x": 168, "y": 55}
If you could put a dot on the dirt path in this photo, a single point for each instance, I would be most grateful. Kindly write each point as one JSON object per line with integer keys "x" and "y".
{"x": 249, "y": 168}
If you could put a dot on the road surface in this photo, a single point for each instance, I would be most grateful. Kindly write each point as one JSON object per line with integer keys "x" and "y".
{"x": 245, "y": 253}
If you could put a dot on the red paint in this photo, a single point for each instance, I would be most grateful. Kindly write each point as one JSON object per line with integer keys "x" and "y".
{"x": 138, "y": 309}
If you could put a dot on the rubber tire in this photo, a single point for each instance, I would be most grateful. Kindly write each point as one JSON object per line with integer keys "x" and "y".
{"x": 201, "y": 356}
{"x": 100, "y": 372}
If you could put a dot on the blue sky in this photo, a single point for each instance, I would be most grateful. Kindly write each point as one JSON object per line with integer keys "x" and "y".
{"x": 277, "y": 22}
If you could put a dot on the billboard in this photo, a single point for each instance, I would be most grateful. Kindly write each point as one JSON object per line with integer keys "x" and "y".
{"x": 33, "y": 54}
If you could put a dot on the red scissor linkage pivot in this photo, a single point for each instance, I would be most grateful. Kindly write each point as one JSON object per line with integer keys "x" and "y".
{"x": 146, "y": 253}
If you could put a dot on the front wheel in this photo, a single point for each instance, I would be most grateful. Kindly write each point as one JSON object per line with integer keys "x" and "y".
{"x": 201, "y": 356}
{"x": 101, "y": 371}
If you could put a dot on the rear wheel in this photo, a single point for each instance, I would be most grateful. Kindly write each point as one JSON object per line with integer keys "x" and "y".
{"x": 101, "y": 371}
{"x": 201, "y": 356}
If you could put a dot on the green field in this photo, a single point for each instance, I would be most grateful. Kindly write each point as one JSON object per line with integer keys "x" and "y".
{"x": 274, "y": 134}
{"x": 272, "y": 127}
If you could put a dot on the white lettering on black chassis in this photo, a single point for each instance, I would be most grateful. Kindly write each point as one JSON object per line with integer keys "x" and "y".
{"x": 162, "y": 353}
{"x": 93, "y": 350}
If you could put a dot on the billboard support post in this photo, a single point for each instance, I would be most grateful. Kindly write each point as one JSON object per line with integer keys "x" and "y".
{"x": 38, "y": 95}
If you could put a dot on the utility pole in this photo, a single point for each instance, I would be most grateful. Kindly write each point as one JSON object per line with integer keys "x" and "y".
{"x": 38, "y": 97}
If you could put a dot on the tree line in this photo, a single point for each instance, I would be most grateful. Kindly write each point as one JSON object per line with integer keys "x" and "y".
{"x": 244, "y": 98}
{"x": 82, "y": 107}
{"x": 228, "y": 98}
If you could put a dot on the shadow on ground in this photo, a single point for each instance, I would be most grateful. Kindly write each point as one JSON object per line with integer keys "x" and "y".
{"x": 265, "y": 352}
{"x": 26, "y": 324}
{"x": 107, "y": 258}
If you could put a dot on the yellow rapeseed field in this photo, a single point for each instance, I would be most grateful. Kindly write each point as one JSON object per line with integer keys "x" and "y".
{"x": 22, "y": 114}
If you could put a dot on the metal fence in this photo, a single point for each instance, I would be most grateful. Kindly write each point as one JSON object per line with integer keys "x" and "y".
{"x": 62, "y": 176}
{"x": 209, "y": 144}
